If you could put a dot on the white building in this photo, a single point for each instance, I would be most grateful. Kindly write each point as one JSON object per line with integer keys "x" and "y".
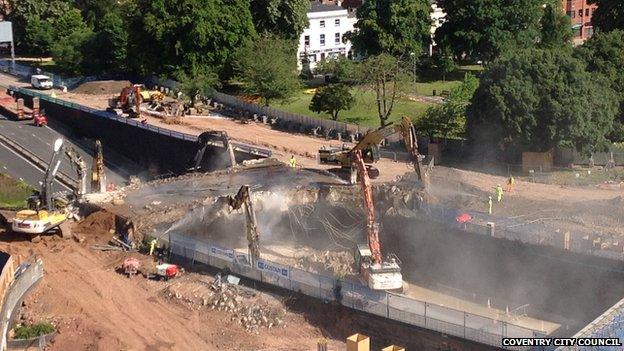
{"x": 328, "y": 23}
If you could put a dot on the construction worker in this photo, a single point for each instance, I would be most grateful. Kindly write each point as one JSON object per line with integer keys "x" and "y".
{"x": 499, "y": 193}
{"x": 53, "y": 95}
{"x": 489, "y": 204}
{"x": 510, "y": 183}
{"x": 152, "y": 244}
{"x": 293, "y": 162}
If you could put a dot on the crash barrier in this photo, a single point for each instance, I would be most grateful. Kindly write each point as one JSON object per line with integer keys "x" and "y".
{"x": 158, "y": 149}
{"x": 39, "y": 342}
{"x": 397, "y": 307}
{"x": 608, "y": 325}
{"x": 238, "y": 146}
{"x": 25, "y": 277}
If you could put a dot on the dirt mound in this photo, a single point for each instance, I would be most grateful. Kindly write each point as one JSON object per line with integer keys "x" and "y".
{"x": 102, "y": 87}
{"x": 100, "y": 222}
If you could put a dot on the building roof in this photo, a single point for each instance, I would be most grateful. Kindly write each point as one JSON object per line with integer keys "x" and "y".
{"x": 318, "y": 6}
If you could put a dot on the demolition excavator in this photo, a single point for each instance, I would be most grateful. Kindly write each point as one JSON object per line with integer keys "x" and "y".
{"x": 243, "y": 199}
{"x": 379, "y": 274}
{"x": 46, "y": 212}
{"x": 369, "y": 150}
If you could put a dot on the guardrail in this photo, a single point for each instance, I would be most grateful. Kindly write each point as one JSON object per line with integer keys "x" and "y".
{"x": 238, "y": 146}
{"x": 388, "y": 305}
{"x": 26, "y": 276}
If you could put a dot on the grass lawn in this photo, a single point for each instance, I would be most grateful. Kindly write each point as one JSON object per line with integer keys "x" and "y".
{"x": 364, "y": 112}
{"x": 13, "y": 193}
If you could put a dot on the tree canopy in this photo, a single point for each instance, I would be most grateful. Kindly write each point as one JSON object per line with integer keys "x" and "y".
{"x": 332, "y": 99}
{"x": 397, "y": 27}
{"x": 485, "y": 29}
{"x": 385, "y": 76}
{"x": 449, "y": 118}
{"x": 604, "y": 54}
{"x": 556, "y": 30}
{"x": 609, "y": 15}
{"x": 268, "y": 68}
{"x": 170, "y": 36}
{"x": 539, "y": 99}
{"x": 284, "y": 18}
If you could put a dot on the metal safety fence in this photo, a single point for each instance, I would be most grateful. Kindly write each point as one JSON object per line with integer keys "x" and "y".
{"x": 397, "y": 307}
{"x": 306, "y": 121}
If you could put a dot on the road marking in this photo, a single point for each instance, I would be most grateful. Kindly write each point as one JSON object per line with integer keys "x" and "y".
{"x": 32, "y": 164}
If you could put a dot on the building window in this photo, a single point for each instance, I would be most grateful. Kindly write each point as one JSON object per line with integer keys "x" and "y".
{"x": 337, "y": 38}
{"x": 337, "y": 23}
{"x": 312, "y": 58}
{"x": 581, "y": 13}
{"x": 571, "y": 14}
{"x": 322, "y": 39}
{"x": 322, "y": 56}
{"x": 306, "y": 40}
{"x": 586, "y": 12}
{"x": 322, "y": 23}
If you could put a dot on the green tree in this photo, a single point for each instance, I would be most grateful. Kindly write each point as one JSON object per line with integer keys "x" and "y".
{"x": 341, "y": 69}
{"x": 68, "y": 51}
{"x": 198, "y": 82}
{"x": 384, "y": 75}
{"x": 397, "y": 27}
{"x": 107, "y": 50}
{"x": 609, "y": 15}
{"x": 39, "y": 34}
{"x": 444, "y": 62}
{"x": 332, "y": 99}
{"x": 556, "y": 30}
{"x": 268, "y": 68}
{"x": 169, "y": 36}
{"x": 24, "y": 11}
{"x": 484, "y": 29}
{"x": 604, "y": 55}
{"x": 539, "y": 99}
{"x": 284, "y": 18}
{"x": 449, "y": 119}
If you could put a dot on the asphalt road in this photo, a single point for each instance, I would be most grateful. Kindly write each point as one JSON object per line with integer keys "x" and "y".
{"x": 40, "y": 140}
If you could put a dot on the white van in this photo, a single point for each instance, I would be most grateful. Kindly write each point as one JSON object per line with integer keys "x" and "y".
{"x": 39, "y": 81}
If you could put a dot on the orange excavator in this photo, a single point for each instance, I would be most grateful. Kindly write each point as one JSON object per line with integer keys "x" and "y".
{"x": 128, "y": 102}
{"x": 378, "y": 274}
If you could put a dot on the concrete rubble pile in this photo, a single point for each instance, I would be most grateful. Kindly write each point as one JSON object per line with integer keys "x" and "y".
{"x": 246, "y": 308}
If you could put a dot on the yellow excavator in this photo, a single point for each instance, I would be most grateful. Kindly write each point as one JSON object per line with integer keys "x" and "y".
{"x": 369, "y": 149}
{"x": 46, "y": 212}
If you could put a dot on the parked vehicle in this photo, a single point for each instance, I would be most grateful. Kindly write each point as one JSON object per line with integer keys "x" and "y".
{"x": 40, "y": 81}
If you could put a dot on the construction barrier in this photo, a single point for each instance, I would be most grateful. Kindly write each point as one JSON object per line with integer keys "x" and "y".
{"x": 349, "y": 294}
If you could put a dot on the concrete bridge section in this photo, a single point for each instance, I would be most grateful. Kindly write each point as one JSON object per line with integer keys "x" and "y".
{"x": 160, "y": 150}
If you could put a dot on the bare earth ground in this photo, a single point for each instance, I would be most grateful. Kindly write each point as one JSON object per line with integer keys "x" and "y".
{"x": 96, "y": 308}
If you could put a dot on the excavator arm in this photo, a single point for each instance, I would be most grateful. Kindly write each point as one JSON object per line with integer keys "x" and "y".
{"x": 81, "y": 170}
{"x": 367, "y": 192}
{"x": 243, "y": 199}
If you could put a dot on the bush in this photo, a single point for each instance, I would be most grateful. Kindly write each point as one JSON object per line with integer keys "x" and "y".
{"x": 33, "y": 331}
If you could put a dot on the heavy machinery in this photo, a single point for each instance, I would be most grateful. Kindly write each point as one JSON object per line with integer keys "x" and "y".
{"x": 378, "y": 274}
{"x": 243, "y": 198}
{"x": 369, "y": 148}
{"x": 98, "y": 175}
{"x": 129, "y": 102}
{"x": 45, "y": 212}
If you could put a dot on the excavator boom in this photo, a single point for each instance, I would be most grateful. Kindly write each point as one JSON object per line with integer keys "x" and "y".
{"x": 243, "y": 198}
{"x": 371, "y": 223}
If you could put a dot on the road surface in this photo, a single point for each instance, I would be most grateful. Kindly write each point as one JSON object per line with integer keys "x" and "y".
{"x": 40, "y": 140}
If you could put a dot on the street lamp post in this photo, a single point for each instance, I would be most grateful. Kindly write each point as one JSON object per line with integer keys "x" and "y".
{"x": 413, "y": 56}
